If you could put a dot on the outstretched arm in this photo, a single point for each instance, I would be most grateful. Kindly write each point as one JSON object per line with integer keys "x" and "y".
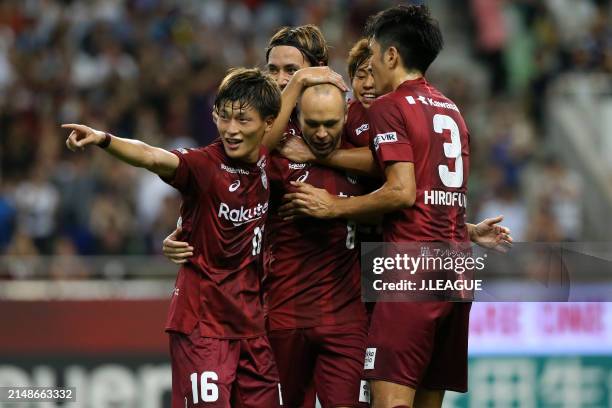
{"x": 134, "y": 152}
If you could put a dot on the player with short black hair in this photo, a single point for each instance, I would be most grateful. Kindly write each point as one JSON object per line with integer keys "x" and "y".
{"x": 219, "y": 352}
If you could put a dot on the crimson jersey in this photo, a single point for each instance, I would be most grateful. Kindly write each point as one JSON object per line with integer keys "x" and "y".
{"x": 225, "y": 203}
{"x": 293, "y": 126}
{"x": 356, "y": 129}
{"x": 311, "y": 266}
{"x": 416, "y": 123}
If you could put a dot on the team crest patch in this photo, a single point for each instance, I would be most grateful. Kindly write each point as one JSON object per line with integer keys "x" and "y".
{"x": 370, "y": 357}
{"x": 389, "y": 137}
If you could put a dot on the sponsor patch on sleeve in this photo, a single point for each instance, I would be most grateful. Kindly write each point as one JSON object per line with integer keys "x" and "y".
{"x": 389, "y": 137}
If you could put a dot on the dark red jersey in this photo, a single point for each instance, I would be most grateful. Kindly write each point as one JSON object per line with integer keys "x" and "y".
{"x": 225, "y": 203}
{"x": 416, "y": 123}
{"x": 357, "y": 128}
{"x": 311, "y": 266}
{"x": 293, "y": 126}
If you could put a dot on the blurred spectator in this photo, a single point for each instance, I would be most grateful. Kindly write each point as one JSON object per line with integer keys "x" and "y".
{"x": 37, "y": 202}
{"x": 149, "y": 70}
{"x": 557, "y": 195}
{"x": 65, "y": 263}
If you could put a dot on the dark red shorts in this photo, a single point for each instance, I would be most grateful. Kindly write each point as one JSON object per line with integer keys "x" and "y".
{"x": 330, "y": 357}
{"x": 217, "y": 373}
{"x": 419, "y": 344}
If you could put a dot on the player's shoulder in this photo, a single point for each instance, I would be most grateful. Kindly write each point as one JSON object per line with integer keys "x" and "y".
{"x": 356, "y": 110}
{"x": 385, "y": 102}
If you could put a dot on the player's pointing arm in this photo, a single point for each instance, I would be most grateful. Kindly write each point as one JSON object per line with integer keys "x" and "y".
{"x": 133, "y": 152}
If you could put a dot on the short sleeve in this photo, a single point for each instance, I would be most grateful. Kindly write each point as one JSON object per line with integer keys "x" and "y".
{"x": 389, "y": 133}
{"x": 193, "y": 173}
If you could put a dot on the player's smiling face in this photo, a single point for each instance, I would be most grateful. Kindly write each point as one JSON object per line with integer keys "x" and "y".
{"x": 363, "y": 85}
{"x": 322, "y": 117}
{"x": 380, "y": 73}
{"x": 241, "y": 129}
{"x": 283, "y": 62}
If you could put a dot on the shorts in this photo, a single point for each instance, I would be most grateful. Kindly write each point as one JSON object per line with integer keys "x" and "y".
{"x": 330, "y": 357}
{"x": 219, "y": 373}
{"x": 419, "y": 344}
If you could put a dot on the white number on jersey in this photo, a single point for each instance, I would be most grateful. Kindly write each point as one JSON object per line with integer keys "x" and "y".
{"x": 257, "y": 240}
{"x": 452, "y": 150}
{"x": 209, "y": 392}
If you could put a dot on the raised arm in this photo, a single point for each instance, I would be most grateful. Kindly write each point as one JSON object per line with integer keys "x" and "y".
{"x": 302, "y": 78}
{"x": 134, "y": 152}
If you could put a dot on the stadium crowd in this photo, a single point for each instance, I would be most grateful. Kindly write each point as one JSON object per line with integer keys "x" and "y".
{"x": 149, "y": 69}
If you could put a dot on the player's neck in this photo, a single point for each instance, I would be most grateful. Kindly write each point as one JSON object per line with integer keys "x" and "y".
{"x": 402, "y": 76}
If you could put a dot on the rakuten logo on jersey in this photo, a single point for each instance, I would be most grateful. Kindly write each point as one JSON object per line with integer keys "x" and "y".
{"x": 389, "y": 137}
{"x": 240, "y": 216}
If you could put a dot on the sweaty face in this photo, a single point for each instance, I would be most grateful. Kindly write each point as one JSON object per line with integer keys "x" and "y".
{"x": 241, "y": 129}
{"x": 283, "y": 61}
{"x": 363, "y": 85}
{"x": 322, "y": 117}
{"x": 380, "y": 73}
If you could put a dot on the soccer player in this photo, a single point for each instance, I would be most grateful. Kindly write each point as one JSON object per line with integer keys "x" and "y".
{"x": 357, "y": 126}
{"x": 220, "y": 354}
{"x": 421, "y": 143}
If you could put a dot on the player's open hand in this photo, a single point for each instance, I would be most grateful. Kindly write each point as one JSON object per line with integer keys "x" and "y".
{"x": 295, "y": 149}
{"x": 319, "y": 75}
{"x": 307, "y": 200}
{"x": 81, "y": 136}
{"x": 489, "y": 234}
{"x": 177, "y": 251}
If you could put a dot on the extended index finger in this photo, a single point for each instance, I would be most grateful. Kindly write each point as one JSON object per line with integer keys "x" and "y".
{"x": 75, "y": 126}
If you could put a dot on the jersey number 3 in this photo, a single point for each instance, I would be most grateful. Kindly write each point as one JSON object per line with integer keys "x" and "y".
{"x": 452, "y": 150}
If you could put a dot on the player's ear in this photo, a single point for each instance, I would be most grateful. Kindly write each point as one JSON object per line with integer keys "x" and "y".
{"x": 269, "y": 121}
{"x": 391, "y": 57}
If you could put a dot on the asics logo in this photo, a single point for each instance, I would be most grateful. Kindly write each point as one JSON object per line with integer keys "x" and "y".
{"x": 303, "y": 177}
{"x": 234, "y": 186}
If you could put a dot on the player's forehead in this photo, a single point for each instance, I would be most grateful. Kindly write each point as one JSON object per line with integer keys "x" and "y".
{"x": 285, "y": 55}
{"x": 322, "y": 107}
{"x": 237, "y": 108}
{"x": 364, "y": 67}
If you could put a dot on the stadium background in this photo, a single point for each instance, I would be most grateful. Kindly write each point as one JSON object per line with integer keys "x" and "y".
{"x": 83, "y": 289}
